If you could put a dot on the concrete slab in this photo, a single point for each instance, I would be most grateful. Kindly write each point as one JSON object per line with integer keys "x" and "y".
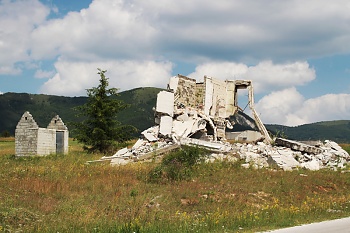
{"x": 165, "y": 126}
{"x": 294, "y": 145}
{"x": 165, "y": 103}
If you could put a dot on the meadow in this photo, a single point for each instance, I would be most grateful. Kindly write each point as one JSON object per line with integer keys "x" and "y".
{"x": 61, "y": 193}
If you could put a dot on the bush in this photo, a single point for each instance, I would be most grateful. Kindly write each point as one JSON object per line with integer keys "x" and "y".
{"x": 178, "y": 165}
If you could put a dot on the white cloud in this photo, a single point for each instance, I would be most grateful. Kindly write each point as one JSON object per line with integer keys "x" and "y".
{"x": 221, "y": 70}
{"x": 323, "y": 108}
{"x": 275, "y": 107}
{"x": 137, "y": 41}
{"x": 288, "y": 107}
{"x": 188, "y": 30}
{"x": 73, "y": 78}
{"x": 43, "y": 74}
{"x": 251, "y": 29}
{"x": 266, "y": 76}
{"x": 197, "y": 31}
{"x": 106, "y": 29}
{"x": 17, "y": 20}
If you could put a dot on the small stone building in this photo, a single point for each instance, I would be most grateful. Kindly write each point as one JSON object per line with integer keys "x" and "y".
{"x": 31, "y": 140}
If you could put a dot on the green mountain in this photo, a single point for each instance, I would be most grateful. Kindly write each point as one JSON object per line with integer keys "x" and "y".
{"x": 140, "y": 114}
{"x": 44, "y": 107}
{"x": 338, "y": 131}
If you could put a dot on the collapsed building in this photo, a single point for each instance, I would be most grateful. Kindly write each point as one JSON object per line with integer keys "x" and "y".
{"x": 190, "y": 109}
{"x": 199, "y": 113}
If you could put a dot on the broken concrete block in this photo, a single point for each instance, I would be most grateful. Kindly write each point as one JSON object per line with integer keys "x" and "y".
{"x": 221, "y": 157}
{"x": 182, "y": 129}
{"x": 294, "y": 145}
{"x": 165, "y": 103}
{"x": 138, "y": 144}
{"x": 173, "y": 83}
{"x": 166, "y": 125}
{"x": 119, "y": 161}
{"x": 150, "y": 137}
{"x": 312, "y": 165}
{"x": 127, "y": 155}
{"x": 150, "y": 134}
{"x": 251, "y": 156}
{"x": 206, "y": 144}
{"x": 285, "y": 161}
{"x": 182, "y": 117}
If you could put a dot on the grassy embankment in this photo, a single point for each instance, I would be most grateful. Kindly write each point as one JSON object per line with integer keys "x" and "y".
{"x": 62, "y": 194}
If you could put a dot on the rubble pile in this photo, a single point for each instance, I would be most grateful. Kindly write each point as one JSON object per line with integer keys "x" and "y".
{"x": 329, "y": 155}
{"x": 198, "y": 114}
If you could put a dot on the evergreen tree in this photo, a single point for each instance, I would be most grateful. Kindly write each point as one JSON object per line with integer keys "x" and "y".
{"x": 100, "y": 131}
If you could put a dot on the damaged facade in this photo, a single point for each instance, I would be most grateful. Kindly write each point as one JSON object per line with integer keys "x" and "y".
{"x": 202, "y": 110}
{"x": 198, "y": 113}
{"x": 32, "y": 140}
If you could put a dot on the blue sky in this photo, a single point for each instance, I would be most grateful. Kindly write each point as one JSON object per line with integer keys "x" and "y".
{"x": 296, "y": 52}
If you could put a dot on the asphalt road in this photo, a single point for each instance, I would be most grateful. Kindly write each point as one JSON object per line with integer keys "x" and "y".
{"x": 334, "y": 226}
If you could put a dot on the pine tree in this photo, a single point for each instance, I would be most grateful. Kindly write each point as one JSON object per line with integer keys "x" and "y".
{"x": 101, "y": 131}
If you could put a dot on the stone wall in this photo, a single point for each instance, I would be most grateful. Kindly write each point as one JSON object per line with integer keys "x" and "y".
{"x": 26, "y": 142}
{"x": 26, "y": 136}
{"x": 46, "y": 143}
{"x": 30, "y": 140}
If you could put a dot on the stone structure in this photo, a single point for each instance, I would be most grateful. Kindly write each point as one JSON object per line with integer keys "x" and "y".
{"x": 31, "y": 140}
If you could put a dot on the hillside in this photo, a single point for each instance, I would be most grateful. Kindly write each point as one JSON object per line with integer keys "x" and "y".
{"x": 140, "y": 114}
{"x": 338, "y": 131}
{"x": 45, "y": 107}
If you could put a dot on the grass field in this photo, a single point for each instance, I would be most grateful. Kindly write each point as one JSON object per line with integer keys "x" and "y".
{"x": 63, "y": 194}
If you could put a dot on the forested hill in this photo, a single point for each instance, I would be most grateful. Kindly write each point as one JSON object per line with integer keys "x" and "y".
{"x": 140, "y": 114}
{"x": 338, "y": 131}
{"x": 44, "y": 107}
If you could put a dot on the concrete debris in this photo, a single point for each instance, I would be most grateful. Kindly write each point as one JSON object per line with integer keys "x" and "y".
{"x": 330, "y": 155}
{"x": 221, "y": 157}
{"x": 298, "y": 146}
{"x": 197, "y": 114}
{"x": 213, "y": 146}
{"x": 151, "y": 134}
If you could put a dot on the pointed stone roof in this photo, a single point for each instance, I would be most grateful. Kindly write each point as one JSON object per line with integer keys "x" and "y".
{"x": 57, "y": 123}
{"x": 27, "y": 121}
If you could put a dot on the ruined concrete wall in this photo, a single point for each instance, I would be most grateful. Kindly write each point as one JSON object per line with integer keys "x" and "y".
{"x": 46, "y": 143}
{"x": 200, "y": 93}
{"x": 215, "y": 97}
{"x": 185, "y": 93}
{"x": 231, "y": 98}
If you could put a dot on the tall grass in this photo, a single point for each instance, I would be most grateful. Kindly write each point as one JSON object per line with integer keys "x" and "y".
{"x": 61, "y": 193}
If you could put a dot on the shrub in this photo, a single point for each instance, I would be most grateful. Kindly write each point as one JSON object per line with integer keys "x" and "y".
{"x": 178, "y": 165}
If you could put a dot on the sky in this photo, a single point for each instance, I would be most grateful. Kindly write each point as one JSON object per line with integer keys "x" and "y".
{"x": 296, "y": 52}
